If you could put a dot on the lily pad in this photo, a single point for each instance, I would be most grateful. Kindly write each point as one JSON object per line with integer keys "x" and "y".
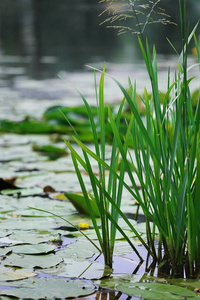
{"x": 80, "y": 268}
{"x": 115, "y": 279}
{"x": 28, "y": 224}
{"x": 79, "y": 202}
{"x": 33, "y": 249}
{"x": 153, "y": 291}
{"x": 51, "y": 288}
{"x": 74, "y": 114}
{"x": 51, "y": 151}
{"x": 32, "y": 261}
{"x": 75, "y": 253}
{"x": 24, "y": 192}
{"x": 29, "y": 238}
{"x": 30, "y": 126}
{"x": 7, "y": 274}
{"x": 4, "y": 251}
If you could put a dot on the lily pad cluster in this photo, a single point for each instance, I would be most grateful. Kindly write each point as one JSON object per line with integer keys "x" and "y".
{"x": 44, "y": 256}
{"x": 58, "y": 121}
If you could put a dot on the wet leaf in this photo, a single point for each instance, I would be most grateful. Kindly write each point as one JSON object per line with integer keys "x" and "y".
{"x": 33, "y": 249}
{"x": 7, "y": 274}
{"x": 51, "y": 288}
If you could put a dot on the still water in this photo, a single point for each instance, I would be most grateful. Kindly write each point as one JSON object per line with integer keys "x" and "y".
{"x": 43, "y": 37}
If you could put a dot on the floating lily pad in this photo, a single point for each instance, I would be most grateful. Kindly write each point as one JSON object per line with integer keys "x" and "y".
{"x": 51, "y": 151}
{"x": 4, "y": 251}
{"x": 30, "y": 126}
{"x": 7, "y": 273}
{"x": 27, "y": 238}
{"x": 153, "y": 291}
{"x": 24, "y": 192}
{"x": 115, "y": 279}
{"x": 75, "y": 114}
{"x": 75, "y": 252}
{"x": 33, "y": 249}
{"x": 183, "y": 282}
{"x": 80, "y": 268}
{"x": 28, "y": 224}
{"x": 32, "y": 261}
{"x": 51, "y": 288}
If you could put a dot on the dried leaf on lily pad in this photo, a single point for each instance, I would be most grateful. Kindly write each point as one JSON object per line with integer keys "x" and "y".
{"x": 9, "y": 274}
{"x": 49, "y": 288}
{"x": 33, "y": 249}
{"x": 79, "y": 202}
{"x": 32, "y": 261}
{"x": 154, "y": 291}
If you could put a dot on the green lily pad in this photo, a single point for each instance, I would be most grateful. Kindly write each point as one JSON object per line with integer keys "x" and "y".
{"x": 32, "y": 261}
{"x": 4, "y": 251}
{"x": 74, "y": 114}
{"x": 51, "y": 288}
{"x": 7, "y": 274}
{"x": 28, "y": 224}
{"x": 29, "y": 238}
{"x": 75, "y": 253}
{"x": 78, "y": 200}
{"x": 153, "y": 291}
{"x": 80, "y": 268}
{"x": 51, "y": 151}
{"x": 183, "y": 282}
{"x": 30, "y": 126}
{"x": 115, "y": 279}
{"x": 33, "y": 249}
{"x": 24, "y": 192}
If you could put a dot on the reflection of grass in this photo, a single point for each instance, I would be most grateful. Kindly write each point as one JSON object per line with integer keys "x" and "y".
{"x": 167, "y": 168}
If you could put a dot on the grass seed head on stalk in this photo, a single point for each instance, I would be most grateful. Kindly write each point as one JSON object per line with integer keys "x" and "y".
{"x": 141, "y": 12}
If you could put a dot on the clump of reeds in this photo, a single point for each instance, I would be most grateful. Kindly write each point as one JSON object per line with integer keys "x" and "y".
{"x": 166, "y": 163}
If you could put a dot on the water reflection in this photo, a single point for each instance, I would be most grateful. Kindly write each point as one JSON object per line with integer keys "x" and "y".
{"x": 65, "y": 35}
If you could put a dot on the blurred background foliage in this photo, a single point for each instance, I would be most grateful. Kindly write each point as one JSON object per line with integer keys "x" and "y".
{"x": 65, "y": 35}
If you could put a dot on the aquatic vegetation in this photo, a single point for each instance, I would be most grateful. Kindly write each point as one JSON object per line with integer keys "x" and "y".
{"x": 167, "y": 168}
{"x": 106, "y": 192}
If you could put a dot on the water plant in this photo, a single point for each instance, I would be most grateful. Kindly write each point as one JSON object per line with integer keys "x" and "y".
{"x": 166, "y": 163}
{"x": 106, "y": 189}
